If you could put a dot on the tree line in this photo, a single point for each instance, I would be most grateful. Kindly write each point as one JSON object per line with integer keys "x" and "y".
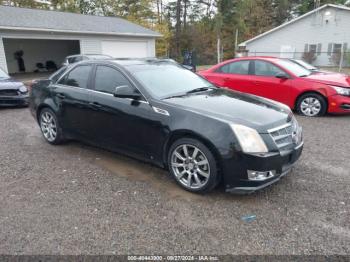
{"x": 211, "y": 28}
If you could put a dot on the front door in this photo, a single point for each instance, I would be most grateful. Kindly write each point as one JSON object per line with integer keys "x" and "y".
{"x": 266, "y": 84}
{"x": 121, "y": 123}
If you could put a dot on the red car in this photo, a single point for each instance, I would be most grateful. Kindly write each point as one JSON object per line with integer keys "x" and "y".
{"x": 309, "y": 93}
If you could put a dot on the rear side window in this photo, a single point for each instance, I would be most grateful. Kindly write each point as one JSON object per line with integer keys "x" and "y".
{"x": 78, "y": 77}
{"x": 108, "y": 78}
{"x": 239, "y": 68}
{"x": 75, "y": 59}
{"x": 263, "y": 68}
{"x": 55, "y": 76}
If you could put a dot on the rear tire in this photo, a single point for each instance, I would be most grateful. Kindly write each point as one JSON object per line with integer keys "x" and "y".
{"x": 50, "y": 127}
{"x": 312, "y": 105}
{"x": 193, "y": 165}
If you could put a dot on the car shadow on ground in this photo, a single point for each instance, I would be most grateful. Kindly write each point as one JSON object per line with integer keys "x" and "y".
{"x": 157, "y": 178}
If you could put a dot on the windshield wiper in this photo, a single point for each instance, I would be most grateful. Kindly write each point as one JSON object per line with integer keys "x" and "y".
{"x": 174, "y": 96}
{"x": 200, "y": 89}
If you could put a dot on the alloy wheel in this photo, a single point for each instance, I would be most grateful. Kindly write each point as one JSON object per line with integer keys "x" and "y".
{"x": 310, "y": 106}
{"x": 191, "y": 166}
{"x": 48, "y": 126}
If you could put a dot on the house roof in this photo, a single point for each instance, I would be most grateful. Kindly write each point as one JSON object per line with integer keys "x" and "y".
{"x": 293, "y": 21}
{"x": 52, "y": 21}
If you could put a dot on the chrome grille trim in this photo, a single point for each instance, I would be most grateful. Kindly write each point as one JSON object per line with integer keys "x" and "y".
{"x": 282, "y": 136}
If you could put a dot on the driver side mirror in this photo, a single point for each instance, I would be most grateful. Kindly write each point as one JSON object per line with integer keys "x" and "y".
{"x": 282, "y": 76}
{"x": 126, "y": 91}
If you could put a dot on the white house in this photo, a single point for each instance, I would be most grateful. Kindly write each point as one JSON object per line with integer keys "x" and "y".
{"x": 49, "y": 35}
{"x": 324, "y": 31}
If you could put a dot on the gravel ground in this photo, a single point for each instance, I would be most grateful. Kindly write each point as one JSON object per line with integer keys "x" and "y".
{"x": 75, "y": 199}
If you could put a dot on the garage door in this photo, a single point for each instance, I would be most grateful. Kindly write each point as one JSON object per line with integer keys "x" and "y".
{"x": 125, "y": 48}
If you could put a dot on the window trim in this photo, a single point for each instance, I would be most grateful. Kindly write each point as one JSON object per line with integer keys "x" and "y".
{"x": 232, "y": 62}
{"x": 318, "y": 48}
{"x": 282, "y": 69}
{"x": 70, "y": 70}
{"x": 93, "y": 78}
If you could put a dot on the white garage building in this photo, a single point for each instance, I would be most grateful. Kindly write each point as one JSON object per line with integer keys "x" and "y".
{"x": 51, "y": 36}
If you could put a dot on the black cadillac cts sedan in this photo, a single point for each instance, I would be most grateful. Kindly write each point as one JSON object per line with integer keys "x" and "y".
{"x": 157, "y": 111}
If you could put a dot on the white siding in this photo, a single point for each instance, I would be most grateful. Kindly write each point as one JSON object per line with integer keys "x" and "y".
{"x": 125, "y": 48}
{"x": 3, "y": 64}
{"x": 90, "y": 46}
{"x": 152, "y": 48}
{"x": 313, "y": 29}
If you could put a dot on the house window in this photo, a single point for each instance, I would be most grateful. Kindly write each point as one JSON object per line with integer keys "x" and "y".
{"x": 336, "y": 48}
{"x": 313, "y": 48}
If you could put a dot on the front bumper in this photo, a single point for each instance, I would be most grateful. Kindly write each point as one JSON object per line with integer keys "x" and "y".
{"x": 235, "y": 169}
{"x": 20, "y": 100}
{"x": 338, "y": 104}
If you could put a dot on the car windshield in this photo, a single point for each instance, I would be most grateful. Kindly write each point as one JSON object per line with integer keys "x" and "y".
{"x": 3, "y": 74}
{"x": 304, "y": 64}
{"x": 294, "y": 68}
{"x": 164, "y": 80}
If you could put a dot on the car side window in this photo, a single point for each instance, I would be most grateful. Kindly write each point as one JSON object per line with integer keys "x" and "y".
{"x": 108, "y": 78}
{"x": 55, "y": 76}
{"x": 263, "y": 68}
{"x": 239, "y": 68}
{"x": 78, "y": 77}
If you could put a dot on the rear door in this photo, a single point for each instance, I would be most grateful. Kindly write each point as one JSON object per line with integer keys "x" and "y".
{"x": 72, "y": 96}
{"x": 266, "y": 84}
{"x": 234, "y": 75}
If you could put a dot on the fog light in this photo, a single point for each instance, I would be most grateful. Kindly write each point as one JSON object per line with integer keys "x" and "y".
{"x": 260, "y": 175}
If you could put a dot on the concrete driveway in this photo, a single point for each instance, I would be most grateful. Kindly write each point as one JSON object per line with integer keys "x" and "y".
{"x": 75, "y": 199}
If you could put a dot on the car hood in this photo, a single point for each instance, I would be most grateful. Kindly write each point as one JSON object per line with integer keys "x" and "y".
{"x": 236, "y": 107}
{"x": 335, "y": 79}
{"x": 9, "y": 83}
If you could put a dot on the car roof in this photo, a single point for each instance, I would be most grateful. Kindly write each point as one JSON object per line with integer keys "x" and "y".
{"x": 141, "y": 61}
{"x": 131, "y": 61}
{"x": 269, "y": 58}
{"x": 88, "y": 55}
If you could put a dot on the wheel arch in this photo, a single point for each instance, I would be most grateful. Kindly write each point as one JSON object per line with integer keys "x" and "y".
{"x": 174, "y": 136}
{"x": 41, "y": 107}
{"x": 318, "y": 92}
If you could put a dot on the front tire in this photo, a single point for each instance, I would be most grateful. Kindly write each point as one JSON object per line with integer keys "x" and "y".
{"x": 312, "y": 105}
{"x": 193, "y": 165}
{"x": 50, "y": 127}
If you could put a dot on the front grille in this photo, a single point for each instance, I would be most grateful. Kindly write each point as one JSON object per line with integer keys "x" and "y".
{"x": 11, "y": 102}
{"x": 283, "y": 136}
{"x": 9, "y": 92}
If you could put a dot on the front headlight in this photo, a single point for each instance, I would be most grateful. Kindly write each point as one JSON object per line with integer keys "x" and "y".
{"x": 341, "y": 90}
{"x": 23, "y": 89}
{"x": 249, "y": 139}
